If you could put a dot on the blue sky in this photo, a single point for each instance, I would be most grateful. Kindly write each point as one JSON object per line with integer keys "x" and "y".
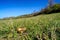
{"x": 10, "y": 8}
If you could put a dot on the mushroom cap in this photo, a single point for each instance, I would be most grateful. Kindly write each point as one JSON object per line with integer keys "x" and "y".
{"x": 21, "y": 29}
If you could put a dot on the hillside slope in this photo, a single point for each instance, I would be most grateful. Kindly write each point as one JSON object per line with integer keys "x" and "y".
{"x": 45, "y": 27}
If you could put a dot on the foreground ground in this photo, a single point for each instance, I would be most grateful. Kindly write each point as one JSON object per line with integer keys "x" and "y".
{"x": 42, "y": 27}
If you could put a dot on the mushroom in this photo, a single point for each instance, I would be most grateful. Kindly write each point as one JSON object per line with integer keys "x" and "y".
{"x": 21, "y": 29}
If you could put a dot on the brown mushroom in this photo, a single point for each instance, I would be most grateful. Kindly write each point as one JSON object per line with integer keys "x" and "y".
{"x": 21, "y": 29}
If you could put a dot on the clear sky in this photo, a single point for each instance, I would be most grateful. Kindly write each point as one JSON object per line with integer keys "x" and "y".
{"x": 10, "y": 8}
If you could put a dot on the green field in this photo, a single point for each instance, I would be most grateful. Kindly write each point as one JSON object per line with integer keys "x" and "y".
{"x": 42, "y": 27}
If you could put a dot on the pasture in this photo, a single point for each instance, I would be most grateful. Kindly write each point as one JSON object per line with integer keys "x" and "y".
{"x": 42, "y": 27}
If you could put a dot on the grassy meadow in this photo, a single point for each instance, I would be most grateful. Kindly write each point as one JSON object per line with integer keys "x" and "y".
{"x": 41, "y": 27}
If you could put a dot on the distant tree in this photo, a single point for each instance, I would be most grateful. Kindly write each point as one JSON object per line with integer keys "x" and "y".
{"x": 50, "y": 3}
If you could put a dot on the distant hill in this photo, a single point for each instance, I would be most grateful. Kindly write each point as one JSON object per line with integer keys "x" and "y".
{"x": 48, "y": 10}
